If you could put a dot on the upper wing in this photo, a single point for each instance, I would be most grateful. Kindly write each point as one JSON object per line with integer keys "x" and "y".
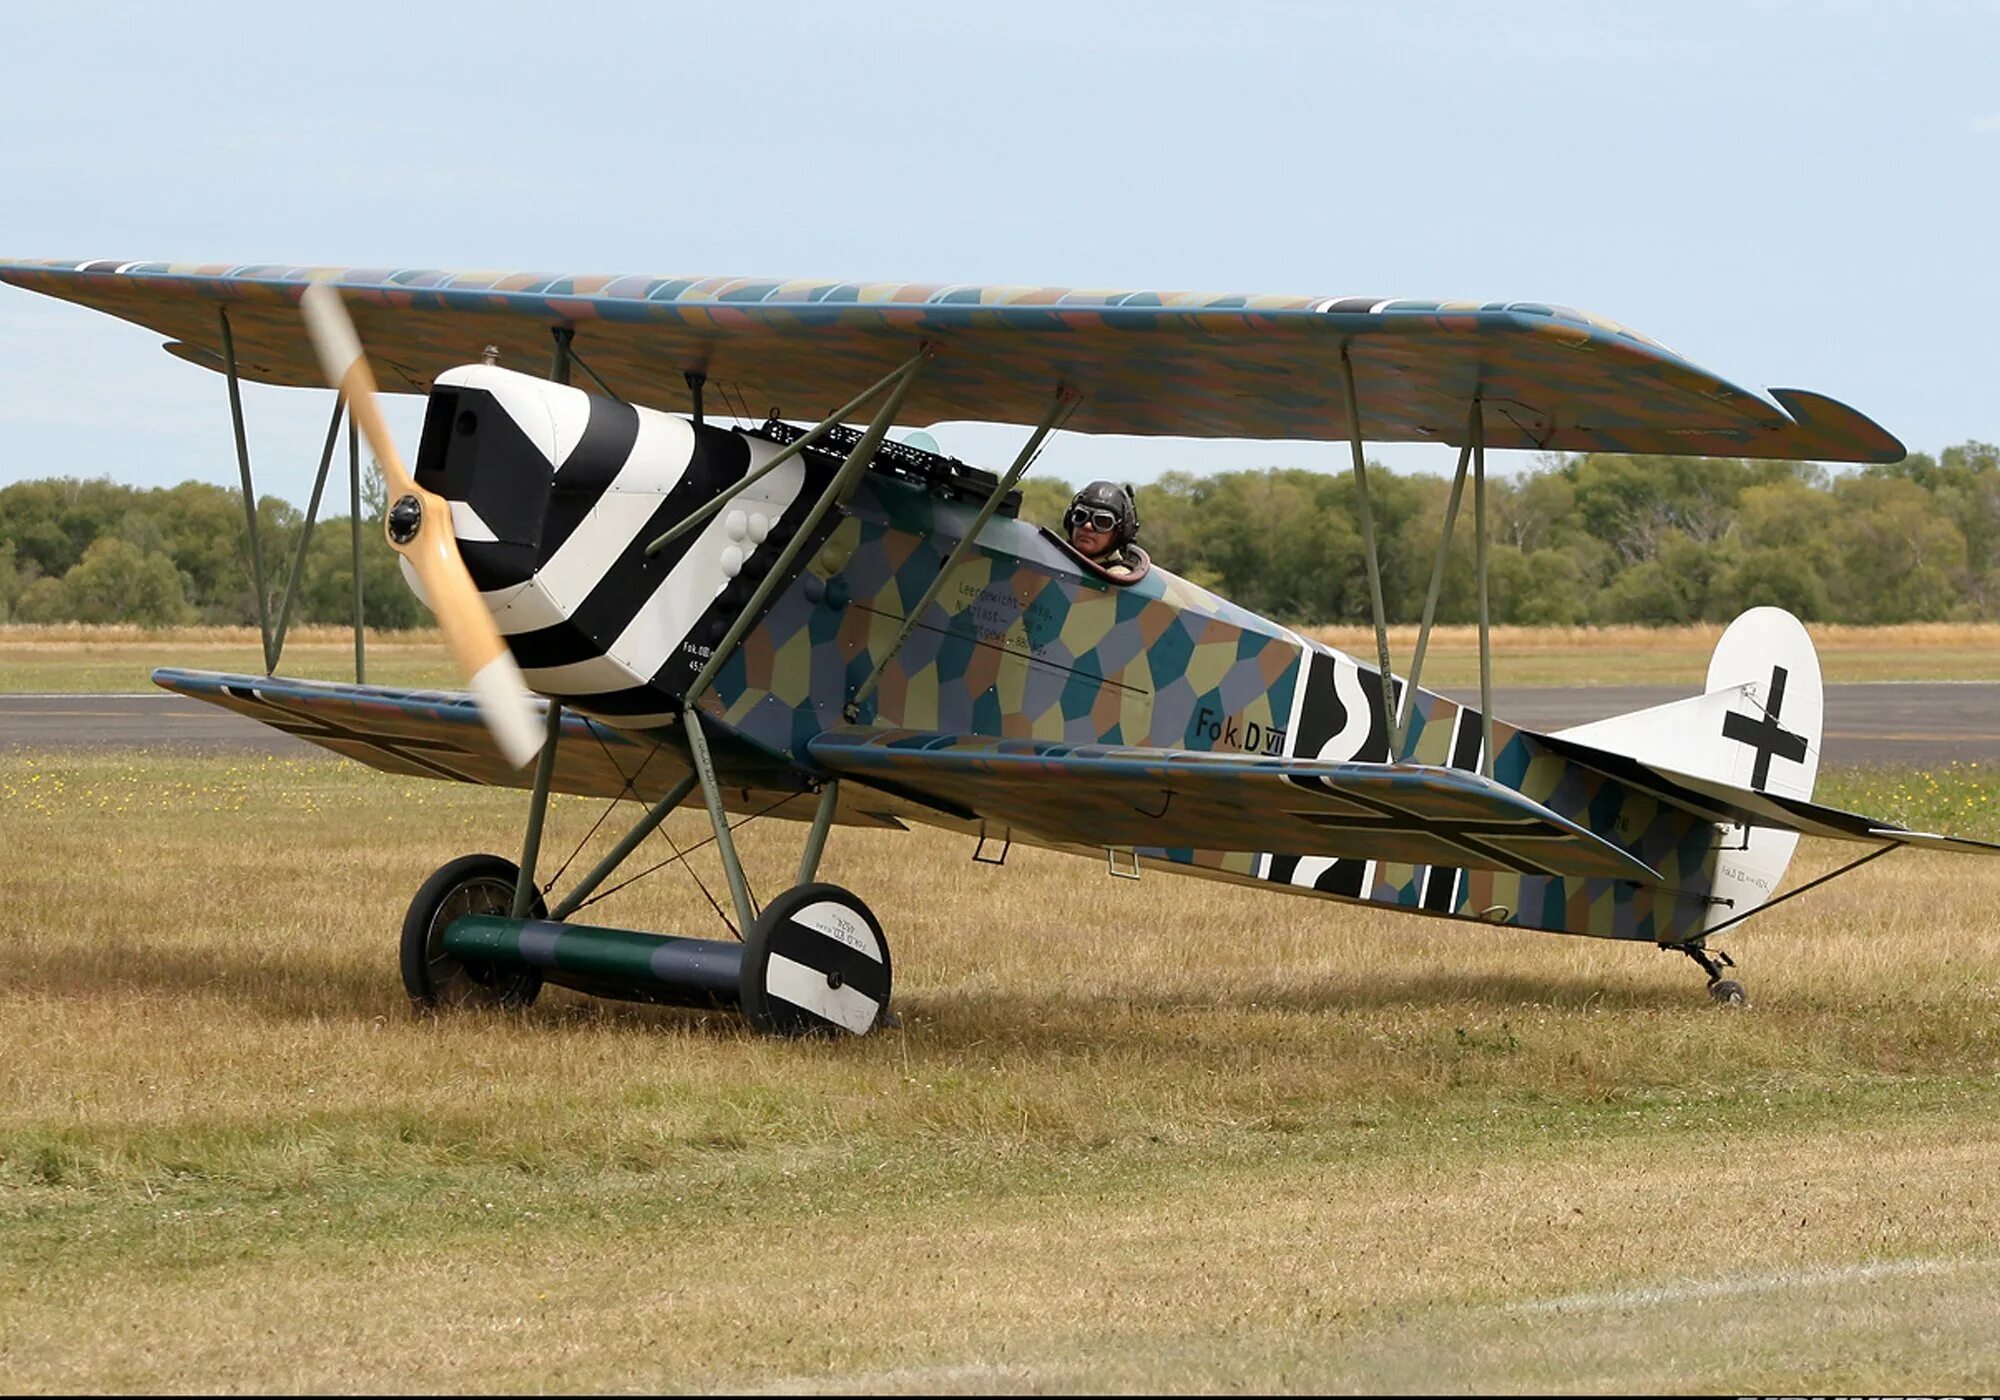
{"x": 1100, "y": 795}
{"x": 1145, "y": 362}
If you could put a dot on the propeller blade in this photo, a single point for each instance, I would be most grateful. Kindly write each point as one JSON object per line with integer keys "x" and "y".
{"x": 419, "y": 529}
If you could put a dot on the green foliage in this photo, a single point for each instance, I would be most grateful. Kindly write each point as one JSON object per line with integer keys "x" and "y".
{"x": 1901, "y": 559}
{"x": 1595, "y": 539}
{"x": 1607, "y": 538}
{"x": 1553, "y": 592}
{"x": 1044, "y": 499}
{"x": 11, "y": 581}
{"x": 326, "y": 592}
{"x": 117, "y": 581}
{"x": 96, "y": 551}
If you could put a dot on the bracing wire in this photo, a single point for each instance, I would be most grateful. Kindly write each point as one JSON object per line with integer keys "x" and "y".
{"x": 682, "y": 857}
{"x": 630, "y": 789}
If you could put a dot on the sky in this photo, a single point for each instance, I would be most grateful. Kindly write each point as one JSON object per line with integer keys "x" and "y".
{"x": 1788, "y": 194}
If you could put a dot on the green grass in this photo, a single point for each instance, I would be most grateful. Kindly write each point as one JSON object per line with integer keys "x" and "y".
{"x": 1960, "y": 799}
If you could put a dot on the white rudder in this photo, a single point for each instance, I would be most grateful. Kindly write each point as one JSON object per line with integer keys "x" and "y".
{"x": 1756, "y": 726}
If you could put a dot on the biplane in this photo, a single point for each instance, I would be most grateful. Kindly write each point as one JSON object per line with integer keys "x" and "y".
{"x": 807, "y": 619}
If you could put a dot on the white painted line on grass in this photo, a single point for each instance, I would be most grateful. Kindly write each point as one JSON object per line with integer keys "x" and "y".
{"x": 912, "y": 1378}
{"x": 1694, "y": 1290}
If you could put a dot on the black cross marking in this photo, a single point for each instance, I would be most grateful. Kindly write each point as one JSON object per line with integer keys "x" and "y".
{"x": 1466, "y": 835}
{"x": 1764, "y": 735}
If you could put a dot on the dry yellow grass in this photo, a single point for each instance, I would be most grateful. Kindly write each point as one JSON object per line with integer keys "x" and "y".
{"x": 77, "y": 659}
{"x": 1164, "y": 1133}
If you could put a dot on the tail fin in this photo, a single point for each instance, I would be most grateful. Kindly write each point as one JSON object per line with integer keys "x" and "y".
{"x": 1755, "y": 726}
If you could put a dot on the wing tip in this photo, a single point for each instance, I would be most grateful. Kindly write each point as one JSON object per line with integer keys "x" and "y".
{"x": 1838, "y": 432}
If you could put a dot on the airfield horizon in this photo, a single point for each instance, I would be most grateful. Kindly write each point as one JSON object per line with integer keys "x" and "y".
{"x": 78, "y": 658}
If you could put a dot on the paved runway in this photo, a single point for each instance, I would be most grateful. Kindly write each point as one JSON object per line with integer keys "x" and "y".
{"x": 1908, "y": 724}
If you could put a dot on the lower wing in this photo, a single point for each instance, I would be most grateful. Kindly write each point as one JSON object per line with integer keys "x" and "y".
{"x": 439, "y": 734}
{"x": 1101, "y": 795}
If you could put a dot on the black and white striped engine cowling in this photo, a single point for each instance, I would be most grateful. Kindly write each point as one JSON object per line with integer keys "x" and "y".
{"x": 555, "y": 495}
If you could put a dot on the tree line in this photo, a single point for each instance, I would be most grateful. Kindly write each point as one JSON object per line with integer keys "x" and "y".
{"x": 1596, "y": 539}
{"x": 96, "y": 551}
{"x": 1599, "y": 538}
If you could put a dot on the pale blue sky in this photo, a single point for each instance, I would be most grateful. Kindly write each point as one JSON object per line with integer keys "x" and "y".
{"x": 1788, "y": 194}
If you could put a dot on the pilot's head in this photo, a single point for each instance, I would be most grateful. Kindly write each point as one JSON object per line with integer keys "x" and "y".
{"x": 1102, "y": 517}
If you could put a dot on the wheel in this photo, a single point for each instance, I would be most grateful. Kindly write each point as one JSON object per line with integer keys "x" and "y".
{"x": 1727, "y": 991}
{"x": 468, "y": 885}
{"x": 815, "y": 963}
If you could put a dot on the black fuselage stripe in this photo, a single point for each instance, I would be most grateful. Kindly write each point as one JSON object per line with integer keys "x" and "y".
{"x": 631, "y": 577}
{"x": 1440, "y": 884}
{"x": 633, "y": 700}
{"x": 1465, "y": 743}
{"x": 1441, "y": 881}
{"x": 587, "y": 473}
{"x": 829, "y": 955}
{"x": 678, "y": 670}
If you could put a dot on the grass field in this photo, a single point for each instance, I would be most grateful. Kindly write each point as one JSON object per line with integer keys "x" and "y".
{"x": 80, "y": 659}
{"x": 76, "y": 659}
{"x": 1130, "y": 1135}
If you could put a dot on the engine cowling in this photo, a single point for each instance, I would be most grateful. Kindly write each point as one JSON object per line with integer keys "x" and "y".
{"x": 555, "y": 494}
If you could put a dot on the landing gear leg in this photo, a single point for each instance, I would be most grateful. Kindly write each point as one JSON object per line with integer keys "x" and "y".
{"x": 1723, "y": 991}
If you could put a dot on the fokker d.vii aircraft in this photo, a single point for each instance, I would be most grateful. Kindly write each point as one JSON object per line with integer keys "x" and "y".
{"x": 825, "y": 625}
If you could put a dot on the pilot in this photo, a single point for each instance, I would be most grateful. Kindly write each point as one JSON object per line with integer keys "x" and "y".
{"x": 1103, "y": 521}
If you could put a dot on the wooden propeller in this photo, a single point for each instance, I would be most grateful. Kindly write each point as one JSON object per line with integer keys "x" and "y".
{"x": 419, "y": 528}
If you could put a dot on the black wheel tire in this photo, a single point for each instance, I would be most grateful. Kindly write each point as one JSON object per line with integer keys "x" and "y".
{"x": 1727, "y": 991}
{"x": 469, "y": 885}
{"x": 820, "y": 934}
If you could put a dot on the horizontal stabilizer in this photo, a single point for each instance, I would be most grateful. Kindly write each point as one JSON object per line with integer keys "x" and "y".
{"x": 1933, "y": 841}
{"x": 1110, "y": 796}
{"x": 1727, "y": 804}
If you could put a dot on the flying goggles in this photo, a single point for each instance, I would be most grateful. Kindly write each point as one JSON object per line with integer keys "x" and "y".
{"x": 1096, "y": 518}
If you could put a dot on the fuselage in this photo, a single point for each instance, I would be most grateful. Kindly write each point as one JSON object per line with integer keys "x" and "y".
{"x": 1023, "y": 640}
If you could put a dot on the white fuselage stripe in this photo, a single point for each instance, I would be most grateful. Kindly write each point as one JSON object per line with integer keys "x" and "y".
{"x": 561, "y": 585}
